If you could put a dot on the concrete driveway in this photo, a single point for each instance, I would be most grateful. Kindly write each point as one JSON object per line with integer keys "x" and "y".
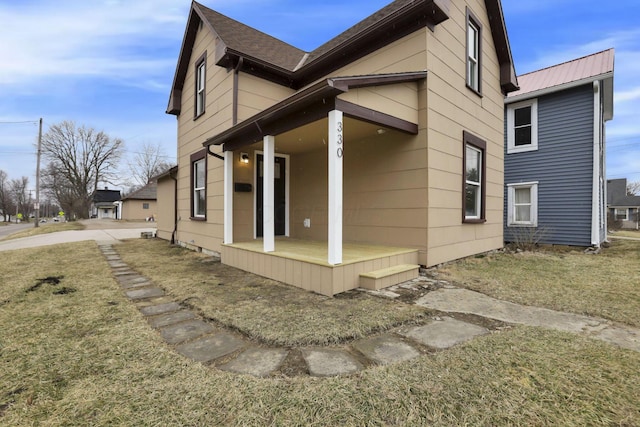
{"x": 96, "y": 229}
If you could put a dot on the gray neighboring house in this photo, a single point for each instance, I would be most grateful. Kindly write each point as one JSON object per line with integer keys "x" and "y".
{"x": 623, "y": 207}
{"x": 554, "y": 159}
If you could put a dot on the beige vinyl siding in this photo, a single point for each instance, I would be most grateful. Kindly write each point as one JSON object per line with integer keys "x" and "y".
{"x": 400, "y": 100}
{"x": 133, "y": 209}
{"x": 406, "y": 54}
{"x": 452, "y": 109}
{"x": 256, "y": 94}
{"x": 166, "y": 220}
{"x": 191, "y": 134}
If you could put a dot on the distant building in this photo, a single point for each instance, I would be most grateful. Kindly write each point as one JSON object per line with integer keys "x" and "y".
{"x": 141, "y": 204}
{"x": 621, "y": 206}
{"x": 103, "y": 204}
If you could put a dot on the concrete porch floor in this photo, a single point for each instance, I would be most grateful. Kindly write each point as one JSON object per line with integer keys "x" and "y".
{"x": 303, "y": 263}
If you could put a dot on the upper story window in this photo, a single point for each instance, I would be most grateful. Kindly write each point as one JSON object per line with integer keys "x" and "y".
{"x": 474, "y": 162}
{"x": 474, "y": 53}
{"x": 201, "y": 77}
{"x": 522, "y": 204}
{"x": 522, "y": 126}
{"x": 198, "y": 185}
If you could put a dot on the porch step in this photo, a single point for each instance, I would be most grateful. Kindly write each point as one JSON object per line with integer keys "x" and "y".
{"x": 389, "y": 276}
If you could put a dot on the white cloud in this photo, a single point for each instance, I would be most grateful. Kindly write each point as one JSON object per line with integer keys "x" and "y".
{"x": 99, "y": 38}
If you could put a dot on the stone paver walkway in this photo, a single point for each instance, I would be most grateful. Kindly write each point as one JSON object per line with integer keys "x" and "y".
{"x": 203, "y": 341}
{"x": 455, "y": 300}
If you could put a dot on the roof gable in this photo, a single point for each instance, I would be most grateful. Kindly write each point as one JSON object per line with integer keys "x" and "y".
{"x": 148, "y": 192}
{"x": 106, "y": 196}
{"x": 254, "y": 52}
{"x": 581, "y": 70}
{"x": 617, "y": 194}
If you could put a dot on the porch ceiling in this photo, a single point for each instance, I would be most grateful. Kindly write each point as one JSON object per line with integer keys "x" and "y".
{"x": 295, "y": 118}
{"x": 314, "y": 136}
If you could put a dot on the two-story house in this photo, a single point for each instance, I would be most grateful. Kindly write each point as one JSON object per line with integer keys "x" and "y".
{"x": 349, "y": 165}
{"x": 554, "y": 158}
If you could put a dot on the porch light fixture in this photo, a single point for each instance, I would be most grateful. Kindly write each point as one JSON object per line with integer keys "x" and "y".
{"x": 244, "y": 158}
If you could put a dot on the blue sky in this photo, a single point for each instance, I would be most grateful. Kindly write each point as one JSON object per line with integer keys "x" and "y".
{"x": 109, "y": 64}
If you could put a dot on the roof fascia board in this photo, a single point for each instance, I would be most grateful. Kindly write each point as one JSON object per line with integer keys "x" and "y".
{"x": 549, "y": 90}
{"x": 368, "y": 115}
{"x": 508, "y": 78}
{"x": 188, "y": 40}
{"x": 300, "y": 107}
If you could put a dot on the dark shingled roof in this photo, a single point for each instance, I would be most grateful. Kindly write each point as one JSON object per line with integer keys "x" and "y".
{"x": 617, "y": 194}
{"x": 148, "y": 192}
{"x": 106, "y": 196}
{"x": 246, "y": 49}
{"x": 251, "y": 42}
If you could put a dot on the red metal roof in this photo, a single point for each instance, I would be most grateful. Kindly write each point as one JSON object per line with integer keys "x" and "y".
{"x": 587, "y": 67}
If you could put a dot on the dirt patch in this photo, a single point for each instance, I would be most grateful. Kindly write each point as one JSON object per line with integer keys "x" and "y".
{"x": 64, "y": 291}
{"x": 294, "y": 365}
{"x": 50, "y": 280}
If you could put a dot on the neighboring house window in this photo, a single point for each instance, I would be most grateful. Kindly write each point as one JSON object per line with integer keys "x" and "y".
{"x": 474, "y": 52}
{"x": 474, "y": 161}
{"x": 198, "y": 184}
{"x": 201, "y": 77}
{"x": 522, "y": 126}
{"x": 145, "y": 206}
{"x": 622, "y": 214}
{"x": 522, "y": 204}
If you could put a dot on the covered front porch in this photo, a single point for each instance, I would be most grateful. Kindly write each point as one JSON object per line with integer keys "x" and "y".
{"x": 303, "y": 263}
{"x": 307, "y": 176}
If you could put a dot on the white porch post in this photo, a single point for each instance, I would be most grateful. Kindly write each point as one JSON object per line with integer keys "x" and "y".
{"x": 268, "y": 224}
{"x": 336, "y": 151}
{"x": 228, "y": 197}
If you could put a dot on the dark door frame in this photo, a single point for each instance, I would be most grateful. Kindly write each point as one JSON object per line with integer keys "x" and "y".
{"x": 287, "y": 158}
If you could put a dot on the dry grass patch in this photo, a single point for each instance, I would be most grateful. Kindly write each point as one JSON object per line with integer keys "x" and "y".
{"x": 604, "y": 285}
{"x": 45, "y": 229}
{"x": 627, "y": 233}
{"x": 90, "y": 358}
{"x": 263, "y": 309}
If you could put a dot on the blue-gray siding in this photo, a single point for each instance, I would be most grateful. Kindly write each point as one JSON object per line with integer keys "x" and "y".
{"x": 562, "y": 165}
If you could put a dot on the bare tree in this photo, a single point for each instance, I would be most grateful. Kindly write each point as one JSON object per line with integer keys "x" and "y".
{"x": 633, "y": 188}
{"x": 79, "y": 159}
{"x": 18, "y": 189}
{"x": 147, "y": 164}
{"x": 6, "y": 201}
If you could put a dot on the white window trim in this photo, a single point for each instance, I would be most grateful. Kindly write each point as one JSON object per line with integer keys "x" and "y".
{"x": 477, "y": 184}
{"x": 196, "y": 199}
{"x": 626, "y": 214}
{"x": 200, "y": 87}
{"x": 473, "y": 56}
{"x": 511, "y": 136}
{"x": 511, "y": 197}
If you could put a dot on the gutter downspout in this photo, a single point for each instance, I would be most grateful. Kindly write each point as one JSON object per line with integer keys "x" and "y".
{"x": 175, "y": 208}
{"x": 595, "y": 191}
{"x": 236, "y": 72}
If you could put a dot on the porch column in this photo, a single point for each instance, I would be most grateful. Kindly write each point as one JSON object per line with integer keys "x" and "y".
{"x": 268, "y": 194}
{"x": 336, "y": 151}
{"x": 228, "y": 197}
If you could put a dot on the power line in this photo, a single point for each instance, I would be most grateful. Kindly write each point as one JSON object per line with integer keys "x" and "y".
{"x": 17, "y": 123}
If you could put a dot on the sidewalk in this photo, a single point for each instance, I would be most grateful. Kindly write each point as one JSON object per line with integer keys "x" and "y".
{"x": 100, "y": 236}
{"x": 454, "y": 300}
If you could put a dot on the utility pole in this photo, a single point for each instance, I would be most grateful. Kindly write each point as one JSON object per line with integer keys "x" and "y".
{"x": 37, "y": 204}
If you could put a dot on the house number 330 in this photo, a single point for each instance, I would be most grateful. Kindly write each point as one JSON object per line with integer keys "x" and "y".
{"x": 339, "y": 139}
